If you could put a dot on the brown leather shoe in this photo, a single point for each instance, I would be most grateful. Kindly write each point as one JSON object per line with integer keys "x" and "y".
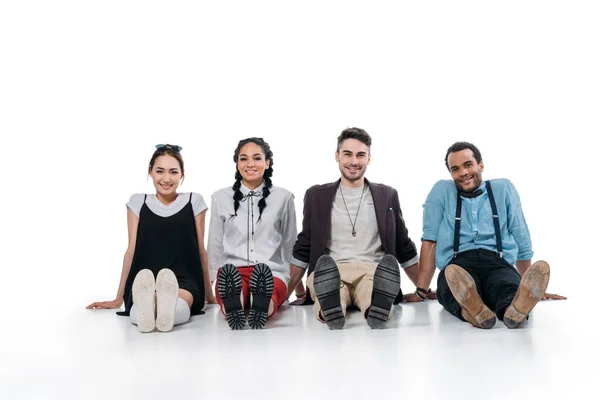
{"x": 531, "y": 290}
{"x": 463, "y": 288}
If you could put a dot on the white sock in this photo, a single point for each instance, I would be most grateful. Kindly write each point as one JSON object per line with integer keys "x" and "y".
{"x": 182, "y": 312}
{"x": 133, "y": 315}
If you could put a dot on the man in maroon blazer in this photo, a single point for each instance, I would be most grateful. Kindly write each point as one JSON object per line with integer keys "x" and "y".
{"x": 353, "y": 236}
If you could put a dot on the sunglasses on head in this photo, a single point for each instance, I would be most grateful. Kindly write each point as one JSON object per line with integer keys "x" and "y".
{"x": 171, "y": 147}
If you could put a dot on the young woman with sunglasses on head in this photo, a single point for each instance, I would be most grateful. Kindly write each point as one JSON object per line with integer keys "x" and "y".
{"x": 165, "y": 269}
{"x": 252, "y": 233}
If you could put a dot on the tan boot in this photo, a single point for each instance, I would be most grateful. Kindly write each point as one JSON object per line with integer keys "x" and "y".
{"x": 531, "y": 290}
{"x": 463, "y": 288}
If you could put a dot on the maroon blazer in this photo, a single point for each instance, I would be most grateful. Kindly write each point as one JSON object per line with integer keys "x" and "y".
{"x": 316, "y": 224}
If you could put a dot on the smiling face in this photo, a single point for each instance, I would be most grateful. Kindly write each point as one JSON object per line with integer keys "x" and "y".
{"x": 465, "y": 170}
{"x": 166, "y": 175}
{"x": 353, "y": 157}
{"x": 251, "y": 164}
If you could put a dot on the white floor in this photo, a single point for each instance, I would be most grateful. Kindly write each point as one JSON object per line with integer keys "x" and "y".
{"x": 88, "y": 89}
{"x": 73, "y": 353}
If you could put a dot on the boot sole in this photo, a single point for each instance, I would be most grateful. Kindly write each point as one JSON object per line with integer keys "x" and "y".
{"x": 327, "y": 283}
{"x": 230, "y": 289}
{"x": 261, "y": 288}
{"x": 386, "y": 285}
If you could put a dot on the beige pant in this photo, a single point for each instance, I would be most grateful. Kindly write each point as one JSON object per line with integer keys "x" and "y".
{"x": 356, "y": 287}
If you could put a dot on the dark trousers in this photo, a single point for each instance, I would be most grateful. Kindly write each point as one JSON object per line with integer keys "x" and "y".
{"x": 496, "y": 280}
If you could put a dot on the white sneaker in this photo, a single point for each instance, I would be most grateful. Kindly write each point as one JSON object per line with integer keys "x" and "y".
{"x": 167, "y": 292}
{"x": 143, "y": 297}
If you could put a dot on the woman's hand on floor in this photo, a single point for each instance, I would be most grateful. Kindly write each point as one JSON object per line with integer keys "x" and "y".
{"x": 548, "y": 296}
{"x": 100, "y": 305}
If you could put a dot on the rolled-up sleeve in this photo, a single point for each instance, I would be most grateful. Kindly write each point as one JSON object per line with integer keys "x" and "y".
{"x": 433, "y": 212}
{"x": 517, "y": 226}
{"x": 410, "y": 262}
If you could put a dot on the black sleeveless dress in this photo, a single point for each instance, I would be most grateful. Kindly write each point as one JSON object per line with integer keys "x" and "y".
{"x": 168, "y": 242}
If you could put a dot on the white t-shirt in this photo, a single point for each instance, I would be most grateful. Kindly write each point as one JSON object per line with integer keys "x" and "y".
{"x": 366, "y": 245}
{"x": 136, "y": 202}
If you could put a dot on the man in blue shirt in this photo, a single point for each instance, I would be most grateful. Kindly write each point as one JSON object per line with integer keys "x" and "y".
{"x": 475, "y": 232}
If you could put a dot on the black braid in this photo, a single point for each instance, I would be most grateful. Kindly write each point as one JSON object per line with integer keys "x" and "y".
{"x": 237, "y": 196}
{"x": 266, "y": 191}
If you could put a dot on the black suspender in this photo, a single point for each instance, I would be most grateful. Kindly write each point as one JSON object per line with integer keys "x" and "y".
{"x": 457, "y": 222}
{"x": 495, "y": 217}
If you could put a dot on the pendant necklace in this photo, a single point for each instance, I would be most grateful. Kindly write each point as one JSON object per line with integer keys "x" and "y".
{"x": 357, "y": 210}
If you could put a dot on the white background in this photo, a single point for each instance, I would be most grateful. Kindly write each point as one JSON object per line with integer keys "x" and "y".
{"x": 88, "y": 88}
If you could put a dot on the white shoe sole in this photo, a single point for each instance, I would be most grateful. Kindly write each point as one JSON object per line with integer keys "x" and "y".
{"x": 142, "y": 292}
{"x": 167, "y": 292}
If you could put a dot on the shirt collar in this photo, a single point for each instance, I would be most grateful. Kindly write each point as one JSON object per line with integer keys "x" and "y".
{"x": 245, "y": 190}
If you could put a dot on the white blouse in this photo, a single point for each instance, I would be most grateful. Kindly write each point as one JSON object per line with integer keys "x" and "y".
{"x": 243, "y": 239}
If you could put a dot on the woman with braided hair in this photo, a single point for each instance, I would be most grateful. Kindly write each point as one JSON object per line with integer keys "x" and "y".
{"x": 251, "y": 236}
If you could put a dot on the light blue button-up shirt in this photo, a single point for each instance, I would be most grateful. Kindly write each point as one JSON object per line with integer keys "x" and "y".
{"x": 477, "y": 226}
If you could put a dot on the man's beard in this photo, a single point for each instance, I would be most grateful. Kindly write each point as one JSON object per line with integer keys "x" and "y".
{"x": 353, "y": 178}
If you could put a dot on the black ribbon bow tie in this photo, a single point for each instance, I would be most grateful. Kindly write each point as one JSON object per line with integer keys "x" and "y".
{"x": 252, "y": 194}
{"x": 472, "y": 194}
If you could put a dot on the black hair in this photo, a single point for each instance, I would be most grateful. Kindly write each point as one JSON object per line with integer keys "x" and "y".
{"x": 459, "y": 146}
{"x": 354, "y": 133}
{"x": 238, "y": 196}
